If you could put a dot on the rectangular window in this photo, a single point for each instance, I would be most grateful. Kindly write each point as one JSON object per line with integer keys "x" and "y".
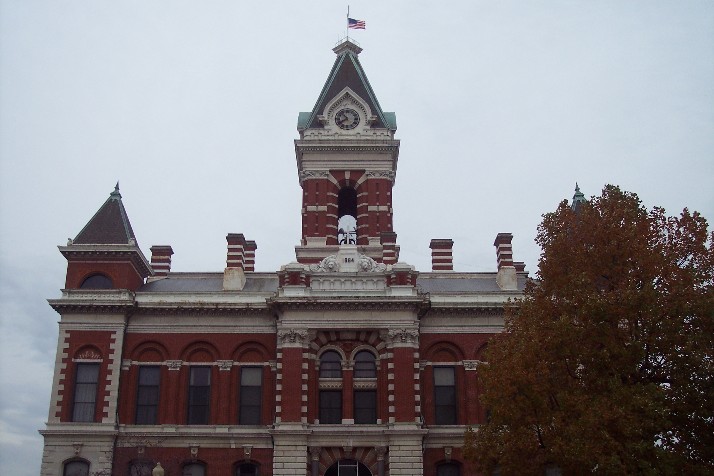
{"x": 147, "y": 395}
{"x": 251, "y": 389}
{"x": 85, "y": 392}
{"x": 199, "y": 395}
{"x": 366, "y": 406}
{"x": 444, "y": 395}
{"x": 330, "y": 406}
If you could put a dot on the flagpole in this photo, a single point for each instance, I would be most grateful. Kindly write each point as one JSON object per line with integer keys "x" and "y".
{"x": 347, "y": 29}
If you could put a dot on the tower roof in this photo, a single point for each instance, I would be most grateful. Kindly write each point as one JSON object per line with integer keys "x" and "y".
{"x": 347, "y": 72}
{"x": 578, "y": 199}
{"x": 109, "y": 226}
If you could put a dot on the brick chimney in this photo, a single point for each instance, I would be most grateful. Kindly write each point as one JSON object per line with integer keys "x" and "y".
{"x": 234, "y": 275}
{"x": 506, "y": 276}
{"x": 441, "y": 257}
{"x": 161, "y": 259}
{"x": 390, "y": 250}
{"x": 249, "y": 255}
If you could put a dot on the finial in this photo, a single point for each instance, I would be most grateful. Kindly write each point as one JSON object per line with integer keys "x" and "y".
{"x": 116, "y": 193}
{"x": 577, "y": 189}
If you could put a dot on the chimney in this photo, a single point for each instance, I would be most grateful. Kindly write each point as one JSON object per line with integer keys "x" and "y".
{"x": 234, "y": 275}
{"x": 441, "y": 257}
{"x": 249, "y": 255}
{"x": 506, "y": 276}
{"x": 161, "y": 260}
{"x": 390, "y": 250}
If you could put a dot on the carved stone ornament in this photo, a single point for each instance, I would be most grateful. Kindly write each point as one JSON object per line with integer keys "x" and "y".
{"x": 388, "y": 174}
{"x": 368, "y": 265}
{"x": 410, "y": 336}
{"x": 313, "y": 174}
{"x": 471, "y": 364}
{"x": 77, "y": 448}
{"x": 194, "y": 450}
{"x": 224, "y": 365}
{"x": 381, "y": 452}
{"x": 89, "y": 354}
{"x": 365, "y": 265}
{"x": 292, "y": 335}
{"x": 327, "y": 265}
{"x": 315, "y": 452}
{"x": 174, "y": 364}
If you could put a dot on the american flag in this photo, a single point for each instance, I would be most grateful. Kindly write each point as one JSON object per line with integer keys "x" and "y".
{"x": 356, "y": 24}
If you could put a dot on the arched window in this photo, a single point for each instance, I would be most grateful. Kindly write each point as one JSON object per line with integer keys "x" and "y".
{"x": 365, "y": 388}
{"x": 330, "y": 365}
{"x": 448, "y": 469}
{"x": 348, "y": 467}
{"x": 194, "y": 469}
{"x": 85, "y": 391}
{"x": 97, "y": 281}
{"x": 330, "y": 391}
{"x": 247, "y": 469}
{"x": 365, "y": 365}
{"x": 76, "y": 468}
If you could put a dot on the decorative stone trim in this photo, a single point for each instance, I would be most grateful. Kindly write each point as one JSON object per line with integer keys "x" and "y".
{"x": 330, "y": 384}
{"x": 403, "y": 336}
{"x": 292, "y": 336}
{"x": 174, "y": 364}
{"x": 224, "y": 365}
{"x": 313, "y": 174}
{"x": 387, "y": 174}
{"x": 365, "y": 384}
{"x": 472, "y": 364}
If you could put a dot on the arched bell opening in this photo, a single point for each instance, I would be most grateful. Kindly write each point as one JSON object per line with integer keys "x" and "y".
{"x": 347, "y": 216}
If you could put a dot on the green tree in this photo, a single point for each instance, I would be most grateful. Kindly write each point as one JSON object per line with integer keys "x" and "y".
{"x": 607, "y": 364}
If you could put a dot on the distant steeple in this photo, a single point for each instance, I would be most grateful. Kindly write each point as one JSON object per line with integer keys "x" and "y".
{"x": 109, "y": 226}
{"x": 578, "y": 199}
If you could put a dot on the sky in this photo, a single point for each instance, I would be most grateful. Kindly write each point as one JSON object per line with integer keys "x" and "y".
{"x": 502, "y": 106}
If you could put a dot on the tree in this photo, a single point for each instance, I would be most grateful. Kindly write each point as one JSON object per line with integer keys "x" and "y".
{"x": 607, "y": 364}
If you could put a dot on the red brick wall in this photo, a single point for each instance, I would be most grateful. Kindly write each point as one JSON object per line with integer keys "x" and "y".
{"x": 122, "y": 273}
{"x": 218, "y": 461}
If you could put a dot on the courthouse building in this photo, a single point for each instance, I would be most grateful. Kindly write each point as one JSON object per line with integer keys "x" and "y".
{"x": 345, "y": 362}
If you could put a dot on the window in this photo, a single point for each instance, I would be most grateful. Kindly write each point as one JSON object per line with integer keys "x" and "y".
{"x": 194, "y": 469}
{"x": 141, "y": 468}
{"x": 330, "y": 365}
{"x": 147, "y": 395}
{"x": 448, "y": 469}
{"x": 97, "y": 281}
{"x": 365, "y": 366}
{"x": 348, "y": 467}
{"x": 247, "y": 469}
{"x": 365, "y": 406}
{"x": 76, "y": 468}
{"x": 199, "y": 396}
{"x": 85, "y": 392}
{"x": 444, "y": 395}
{"x": 330, "y": 406}
{"x": 251, "y": 386}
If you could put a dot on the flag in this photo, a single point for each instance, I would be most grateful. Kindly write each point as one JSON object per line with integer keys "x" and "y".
{"x": 356, "y": 24}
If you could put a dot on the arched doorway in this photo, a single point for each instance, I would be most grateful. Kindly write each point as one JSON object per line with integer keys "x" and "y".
{"x": 348, "y": 467}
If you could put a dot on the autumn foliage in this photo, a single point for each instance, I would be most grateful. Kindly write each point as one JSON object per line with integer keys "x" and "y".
{"x": 607, "y": 365}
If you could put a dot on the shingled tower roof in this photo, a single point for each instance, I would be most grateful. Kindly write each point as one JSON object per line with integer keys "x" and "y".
{"x": 109, "y": 226}
{"x": 347, "y": 72}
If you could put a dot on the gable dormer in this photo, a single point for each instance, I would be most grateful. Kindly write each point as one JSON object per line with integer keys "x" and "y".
{"x": 105, "y": 253}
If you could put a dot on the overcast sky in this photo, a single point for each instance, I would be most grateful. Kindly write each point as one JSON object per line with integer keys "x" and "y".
{"x": 501, "y": 107}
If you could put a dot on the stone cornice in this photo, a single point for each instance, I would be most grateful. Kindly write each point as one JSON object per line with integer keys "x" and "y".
{"x": 120, "y": 251}
{"x": 104, "y": 300}
{"x": 378, "y": 303}
{"x": 201, "y": 308}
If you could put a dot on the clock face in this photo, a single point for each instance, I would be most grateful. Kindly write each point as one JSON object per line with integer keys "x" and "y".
{"x": 347, "y": 118}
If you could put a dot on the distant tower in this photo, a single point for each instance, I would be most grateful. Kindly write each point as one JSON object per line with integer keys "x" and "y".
{"x": 347, "y": 162}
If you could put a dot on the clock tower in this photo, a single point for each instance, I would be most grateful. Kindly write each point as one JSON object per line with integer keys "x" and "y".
{"x": 347, "y": 163}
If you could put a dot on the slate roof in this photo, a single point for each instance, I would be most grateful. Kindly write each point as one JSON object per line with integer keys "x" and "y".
{"x": 109, "y": 226}
{"x": 347, "y": 72}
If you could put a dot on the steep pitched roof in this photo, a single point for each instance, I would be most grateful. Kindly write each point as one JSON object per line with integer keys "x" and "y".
{"x": 347, "y": 72}
{"x": 578, "y": 199}
{"x": 109, "y": 226}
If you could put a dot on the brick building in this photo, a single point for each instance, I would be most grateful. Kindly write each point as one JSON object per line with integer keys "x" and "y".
{"x": 346, "y": 362}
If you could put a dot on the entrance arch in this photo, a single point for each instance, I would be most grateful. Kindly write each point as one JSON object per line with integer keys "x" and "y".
{"x": 348, "y": 467}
